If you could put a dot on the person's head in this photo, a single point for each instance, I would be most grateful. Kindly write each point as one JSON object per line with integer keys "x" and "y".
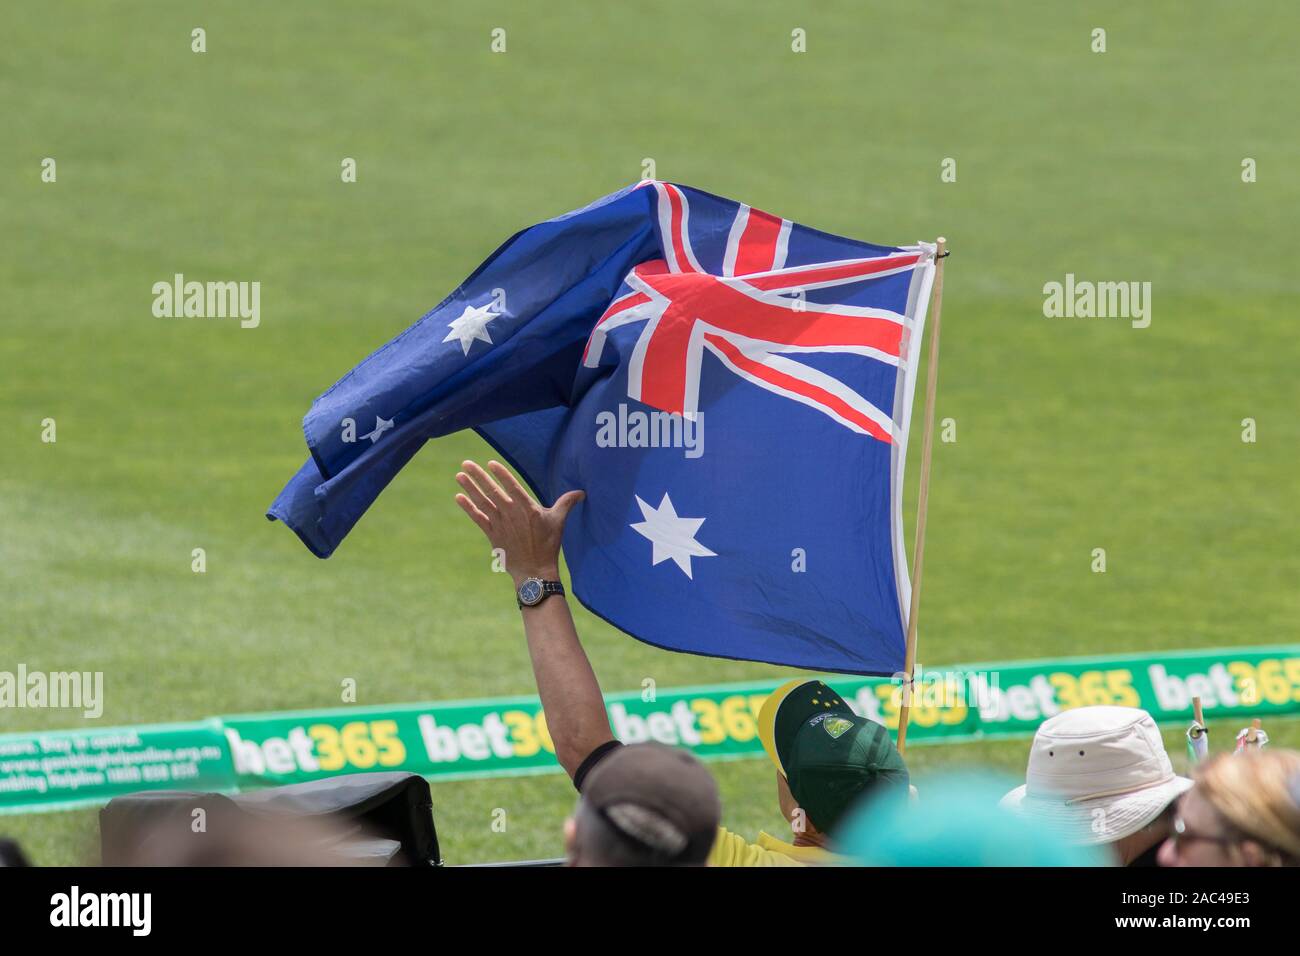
{"x": 955, "y": 821}
{"x": 1243, "y": 810}
{"x": 235, "y": 837}
{"x": 645, "y": 805}
{"x": 826, "y": 756}
{"x": 1100, "y": 775}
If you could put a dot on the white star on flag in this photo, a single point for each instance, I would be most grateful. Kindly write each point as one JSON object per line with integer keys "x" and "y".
{"x": 381, "y": 425}
{"x": 672, "y": 537}
{"x": 472, "y": 325}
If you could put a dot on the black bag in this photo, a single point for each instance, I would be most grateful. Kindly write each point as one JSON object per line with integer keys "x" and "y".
{"x": 379, "y": 818}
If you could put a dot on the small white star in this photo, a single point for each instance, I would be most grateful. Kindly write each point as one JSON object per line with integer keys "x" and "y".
{"x": 471, "y": 325}
{"x": 672, "y": 537}
{"x": 381, "y": 425}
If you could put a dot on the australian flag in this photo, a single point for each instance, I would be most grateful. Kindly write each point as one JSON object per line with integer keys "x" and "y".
{"x": 731, "y": 389}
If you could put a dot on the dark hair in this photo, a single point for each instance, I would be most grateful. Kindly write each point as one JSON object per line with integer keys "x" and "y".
{"x": 11, "y": 854}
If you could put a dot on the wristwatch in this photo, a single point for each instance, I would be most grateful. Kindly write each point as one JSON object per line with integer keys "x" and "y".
{"x": 534, "y": 591}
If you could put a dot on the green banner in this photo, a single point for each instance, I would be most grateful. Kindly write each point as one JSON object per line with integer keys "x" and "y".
{"x": 502, "y": 737}
{"x": 63, "y": 769}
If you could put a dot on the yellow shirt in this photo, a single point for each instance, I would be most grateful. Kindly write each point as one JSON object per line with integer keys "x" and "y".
{"x": 731, "y": 849}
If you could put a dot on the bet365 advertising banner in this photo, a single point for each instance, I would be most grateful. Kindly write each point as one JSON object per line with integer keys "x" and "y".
{"x": 501, "y": 737}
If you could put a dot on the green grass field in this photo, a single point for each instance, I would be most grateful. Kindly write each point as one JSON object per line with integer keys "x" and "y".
{"x": 1073, "y": 434}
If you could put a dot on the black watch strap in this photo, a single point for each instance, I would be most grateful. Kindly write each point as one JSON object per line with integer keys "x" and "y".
{"x": 548, "y": 588}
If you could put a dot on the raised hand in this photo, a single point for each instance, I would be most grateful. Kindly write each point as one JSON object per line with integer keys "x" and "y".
{"x": 528, "y": 534}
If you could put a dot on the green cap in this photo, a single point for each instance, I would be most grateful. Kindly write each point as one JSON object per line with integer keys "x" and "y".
{"x": 828, "y": 754}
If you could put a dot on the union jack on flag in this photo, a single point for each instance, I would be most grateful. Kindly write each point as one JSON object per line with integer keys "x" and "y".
{"x": 749, "y": 316}
{"x": 733, "y": 391}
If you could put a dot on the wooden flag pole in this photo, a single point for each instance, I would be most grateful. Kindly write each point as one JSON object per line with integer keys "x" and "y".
{"x": 923, "y": 497}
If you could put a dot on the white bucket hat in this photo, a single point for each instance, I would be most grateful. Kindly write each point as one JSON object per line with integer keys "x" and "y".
{"x": 1097, "y": 774}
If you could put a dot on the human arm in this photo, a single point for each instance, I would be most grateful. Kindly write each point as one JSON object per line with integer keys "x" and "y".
{"x": 529, "y": 536}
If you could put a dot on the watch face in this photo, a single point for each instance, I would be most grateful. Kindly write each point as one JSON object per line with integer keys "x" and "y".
{"x": 530, "y": 592}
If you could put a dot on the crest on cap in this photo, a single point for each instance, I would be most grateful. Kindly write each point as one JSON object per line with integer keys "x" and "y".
{"x": 836, "y": 726}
